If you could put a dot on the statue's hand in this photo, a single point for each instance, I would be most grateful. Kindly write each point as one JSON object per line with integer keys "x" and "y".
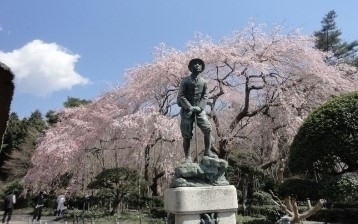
{"x": 189, "y": 113}
{"x": 196, "y": 109}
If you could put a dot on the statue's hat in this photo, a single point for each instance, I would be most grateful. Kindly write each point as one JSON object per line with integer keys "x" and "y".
{"x": 194, "y": 61}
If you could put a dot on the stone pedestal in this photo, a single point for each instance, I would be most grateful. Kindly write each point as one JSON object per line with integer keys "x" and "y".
{"x": 191, "y": 204}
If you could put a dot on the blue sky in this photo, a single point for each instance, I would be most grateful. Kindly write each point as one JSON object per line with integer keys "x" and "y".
{"x": 80, "y": 48}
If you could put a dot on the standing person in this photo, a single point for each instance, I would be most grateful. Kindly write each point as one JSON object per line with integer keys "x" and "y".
{"x": 38, "y": 207}
{"x": 61, "y": 199}
{"x": 86, "y": 203}
{"x": 192, "y": 98}
{"x": 9, "y": 202}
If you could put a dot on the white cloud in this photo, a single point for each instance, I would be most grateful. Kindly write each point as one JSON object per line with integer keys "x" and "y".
{"x": 43, "y": 68}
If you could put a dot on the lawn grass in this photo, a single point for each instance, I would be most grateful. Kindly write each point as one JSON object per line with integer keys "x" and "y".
{"x": 240, "y": 219}
{"x": 132, "y": 217}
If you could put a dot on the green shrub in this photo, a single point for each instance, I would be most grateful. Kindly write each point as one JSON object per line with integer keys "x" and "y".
{"x": 155, "y": 201}
{"x": 269, "y": 184}
{"x": 269, "y": 212}
{"x": 327, "y": 138}
{"x": 348, "y": 215}
{"x": 342, "y": 205}
{"x": 301, "y": 189}
{"x": 342, "y": 188}
{"x": 251, "y": 220}
{"x": 158, "y": 213}
{"x": 261, "y": 198}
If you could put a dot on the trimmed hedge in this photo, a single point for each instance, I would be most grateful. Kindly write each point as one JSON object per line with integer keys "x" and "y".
{"x": 301, "y": 189}
{"x": 336, "y": 215}
{"x": 271, "y": 213}
{"x": 329, "y": 135}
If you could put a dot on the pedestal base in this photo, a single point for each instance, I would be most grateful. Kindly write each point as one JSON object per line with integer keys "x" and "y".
{"x": 190, "y": 205}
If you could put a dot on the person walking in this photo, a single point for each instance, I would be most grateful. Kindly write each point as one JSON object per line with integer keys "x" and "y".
{"x": 61, "y": 199}
{"x": 86, "y": 203}
{"x": 39, "y": 201}
{"x": 9, "y": 202}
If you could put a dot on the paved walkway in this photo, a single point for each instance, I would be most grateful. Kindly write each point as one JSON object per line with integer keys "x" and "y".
{"x": 18, "y": 218}
{"x": 26, "y": 219}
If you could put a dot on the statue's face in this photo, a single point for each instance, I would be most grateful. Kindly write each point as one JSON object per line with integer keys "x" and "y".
{"x": 197, "y": 67}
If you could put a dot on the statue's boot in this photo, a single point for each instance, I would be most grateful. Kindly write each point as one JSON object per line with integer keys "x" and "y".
{"x": 207, "y": 143}
{"x": 186, "y": 146}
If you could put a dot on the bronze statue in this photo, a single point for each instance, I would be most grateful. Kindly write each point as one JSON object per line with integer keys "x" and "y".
{"x": 192, "y": 98}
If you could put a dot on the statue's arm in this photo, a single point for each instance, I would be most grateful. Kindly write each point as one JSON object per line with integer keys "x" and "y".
{"x": 181, "y": 99}
{"x": 204, "y": 96}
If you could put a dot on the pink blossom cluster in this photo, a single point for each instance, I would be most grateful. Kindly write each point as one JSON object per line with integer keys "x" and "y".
{"x": 262, "y": 83}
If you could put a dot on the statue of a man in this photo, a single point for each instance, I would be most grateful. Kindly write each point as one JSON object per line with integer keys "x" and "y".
{"x": 192, "y": 98}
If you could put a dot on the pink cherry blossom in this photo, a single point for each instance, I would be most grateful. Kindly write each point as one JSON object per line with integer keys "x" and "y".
{"x": 262, "y": 82}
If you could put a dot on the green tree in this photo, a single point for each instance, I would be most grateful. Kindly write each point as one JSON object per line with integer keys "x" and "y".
{"x": 19, "y": 161}
{"x": 75, "y": 102}
{"x": 301, "y": 189}
{"x": 120, "y": 182}
{"x": 52, "y": 117}
{"x": 36, "y": 121}
{"x": 14, "y": 135}
{"x": 20, "y": 143}
{"x": 342, "y": 188}
{"x": 328, "y": 39}
{"x": 21, "y": 136}
{"x": 327, "y": 141}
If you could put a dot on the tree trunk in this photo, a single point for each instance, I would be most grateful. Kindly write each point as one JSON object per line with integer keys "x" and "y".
{"x": 146, "y": 162}
{"x": 115, "y": 205}
{"x": 289, "y": 205}
{"x": 155, "y": 185}
{"x": 281, "y": 169}
{"x": 223, "y": 152}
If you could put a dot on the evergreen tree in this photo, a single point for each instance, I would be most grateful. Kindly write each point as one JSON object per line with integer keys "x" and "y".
{"x": 36, "y": 120}
{"x": 15, "y": 133}
{"x": 19, "y": 144}
{"x": 328, "y": 39}
{"x": 119, "y": 183}
{"x": 75, "y": 102}
{"x": 52, "y": 117}
{"x": 21, "y": 137}
{"x": 20, "y": 160}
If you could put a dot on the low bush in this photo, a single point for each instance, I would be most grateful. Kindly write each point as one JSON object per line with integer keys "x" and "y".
{"x": 158, "y": 213}
{"x": 341, "y": 189}
{"x": 336, "y": 215}
{"x": 301, "y": 189}
{"x": 268, "y": 212}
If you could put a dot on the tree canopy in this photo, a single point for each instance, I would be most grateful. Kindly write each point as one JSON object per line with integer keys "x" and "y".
{"x": 262, "y": 83}
{"x": 21, "y": 137}
{"x": 327, "y": 141}
{"x": 20, "y": 143}
{"x": 119, "y": 182}
{"x": 328, "y": 39}
{"x": 75, "y": 102}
